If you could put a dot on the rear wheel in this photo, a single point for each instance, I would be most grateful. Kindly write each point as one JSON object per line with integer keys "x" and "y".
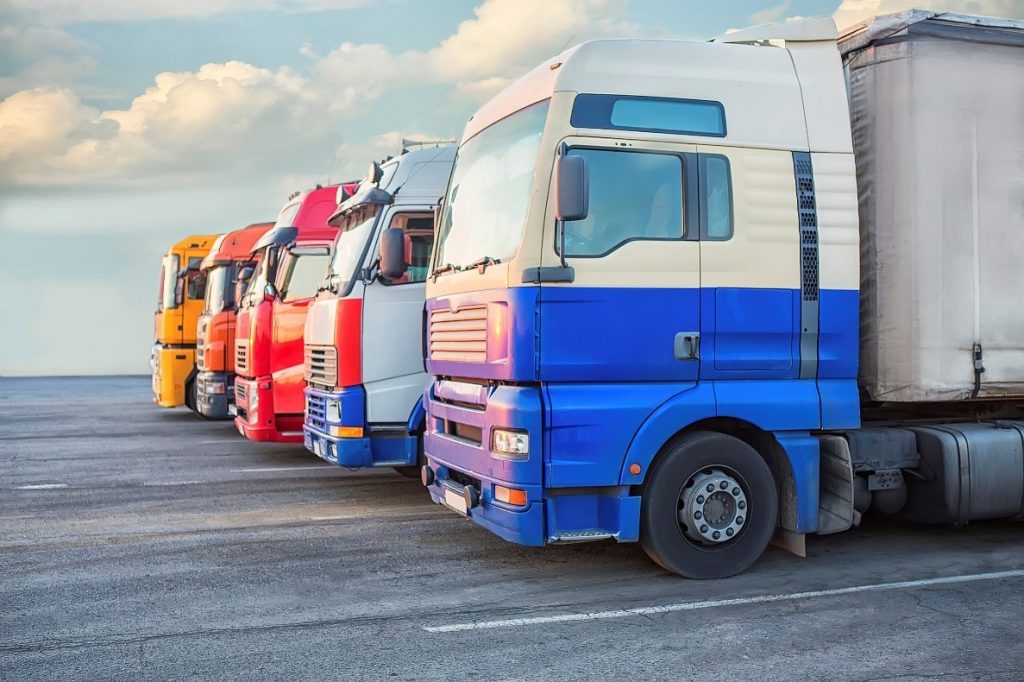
{"x": 709, "y": 507}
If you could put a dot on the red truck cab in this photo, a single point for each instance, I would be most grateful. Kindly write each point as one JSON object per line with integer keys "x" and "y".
{"x": 294, "y": 256}
{"x": 230, "y": 257}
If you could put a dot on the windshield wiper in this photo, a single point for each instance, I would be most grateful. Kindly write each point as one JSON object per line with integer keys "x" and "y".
{"x": 481, "y": 264}
{"x": 441, "y": 269}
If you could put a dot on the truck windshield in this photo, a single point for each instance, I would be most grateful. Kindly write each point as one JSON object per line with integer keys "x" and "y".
{"x": 220, "y": 289}
{"x": 350, "y": 247}
{"x": 302, "y": 275}
{"x": 169, "y": 285}
{"x": 489, "y": 193}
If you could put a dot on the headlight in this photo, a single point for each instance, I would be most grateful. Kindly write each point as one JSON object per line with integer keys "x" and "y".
{"x": 254, "y": 402}
{"x": 507, "y": 444}
{"x": 215, "y": 387}
{"x": 332, "y": 410}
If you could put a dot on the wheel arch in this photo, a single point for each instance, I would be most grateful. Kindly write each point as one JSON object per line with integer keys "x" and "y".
{"x": 792, "y": 457}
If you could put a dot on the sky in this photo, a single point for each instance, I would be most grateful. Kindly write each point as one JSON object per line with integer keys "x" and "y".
{"x": 126, "y": 125}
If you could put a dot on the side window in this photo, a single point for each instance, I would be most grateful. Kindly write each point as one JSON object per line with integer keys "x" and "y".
{"x": 716, "y": 198}
{"x": 633, "y": 195}
{"x": 196, "y": 280}
{"x": 305, "y": 274}
{"x": 419, "y": 240}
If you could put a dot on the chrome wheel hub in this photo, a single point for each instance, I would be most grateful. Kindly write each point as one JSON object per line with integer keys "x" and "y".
{"x": 713, "y": 507}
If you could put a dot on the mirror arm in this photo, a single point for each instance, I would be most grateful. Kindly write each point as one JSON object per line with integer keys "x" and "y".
{"x": 560, "y": 228}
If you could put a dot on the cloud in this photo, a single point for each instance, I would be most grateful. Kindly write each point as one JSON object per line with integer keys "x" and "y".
{"x": 57, "y": 12}
{"x": 510, "y": 36}
{"x": 53, "y": 72}
{"x": 219, "y": 117}
{"x": 30, "y": 41}
{"x": 852, "y": 11}
{"x": 236, "y": 117}
{"x": 771, "y": 14}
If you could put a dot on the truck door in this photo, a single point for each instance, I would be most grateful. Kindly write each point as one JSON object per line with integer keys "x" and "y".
{"x": 392, "y": 344}
{"x": 632, "y": 311}
{"x": 623, "y": 336}
{"x": 299, "y": 276}
{"x": 750, "y": 260}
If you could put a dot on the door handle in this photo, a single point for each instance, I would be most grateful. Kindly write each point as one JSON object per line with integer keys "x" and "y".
{"x": 687, "y": 346}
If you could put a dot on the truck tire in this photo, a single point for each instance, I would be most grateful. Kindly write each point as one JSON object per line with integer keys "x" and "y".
{"x": 709, "y": 507}
{"x": 191, "y": 395}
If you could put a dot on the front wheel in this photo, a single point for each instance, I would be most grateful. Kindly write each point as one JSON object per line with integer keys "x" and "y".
{"x": 709, "y": 507}
{"x": 192, "y": 395}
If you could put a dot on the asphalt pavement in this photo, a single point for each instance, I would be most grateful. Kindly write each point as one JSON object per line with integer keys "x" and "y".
{"x": 143, "y": 543}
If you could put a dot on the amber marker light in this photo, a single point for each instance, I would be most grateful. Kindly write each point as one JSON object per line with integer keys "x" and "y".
{"x": 347, "y": 431}
{"x": 634, "y": 468}
{"x": 510, "y": 496}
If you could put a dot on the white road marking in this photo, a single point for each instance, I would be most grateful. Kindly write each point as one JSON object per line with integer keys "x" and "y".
{"x": 262, "y": 469}
{"x": 159, "y": 484}
{"x": 43, "y": 486}
{"x": 694, "y": 606}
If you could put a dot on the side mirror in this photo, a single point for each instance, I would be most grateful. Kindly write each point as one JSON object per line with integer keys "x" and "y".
{"x": 269, "y": 292}
{"x": 392, "y": 253}
{"x": 245, "y": 274}
{"x": 572, "y": 188}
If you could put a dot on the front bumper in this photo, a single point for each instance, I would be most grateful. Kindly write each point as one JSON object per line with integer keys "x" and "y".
{"x": 215, "y": 394}
{"x": 460, "y": 418}
{"x": 344, "y": 438}
{"x": 255, "y": 417}
{"x": 521, "y": 525}
{"x": 463, "y": 467}
{"x": 171, "y": 369}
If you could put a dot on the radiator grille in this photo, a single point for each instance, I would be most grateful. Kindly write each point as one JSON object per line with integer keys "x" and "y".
{"x": 316, "y": 412}
{"x": 241, "y": 356}
{"x": 459, "y": 336}
{"x": 321, "y": 365}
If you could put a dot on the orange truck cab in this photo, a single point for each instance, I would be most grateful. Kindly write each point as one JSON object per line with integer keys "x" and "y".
{"x": 179, "y": 304}
{"x": 229, "y": 262}
{"x": 294, "y": 256}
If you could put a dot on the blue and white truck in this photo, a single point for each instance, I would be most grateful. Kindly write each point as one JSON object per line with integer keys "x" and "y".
{"x": 364, "y": 332}
{"x": 701, "y": 295}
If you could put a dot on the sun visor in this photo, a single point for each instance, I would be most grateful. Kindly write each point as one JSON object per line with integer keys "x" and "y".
{"x": 279, "y": 236}
{"x": 372, "y": 196}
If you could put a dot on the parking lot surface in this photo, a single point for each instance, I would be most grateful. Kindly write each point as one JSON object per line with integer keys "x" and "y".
{"x": 141, "y": 543}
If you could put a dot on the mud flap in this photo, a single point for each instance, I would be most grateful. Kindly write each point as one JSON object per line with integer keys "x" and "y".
{"x": 835, "y": 497}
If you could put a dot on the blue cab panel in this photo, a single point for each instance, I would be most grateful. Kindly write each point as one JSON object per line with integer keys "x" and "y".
{"x": 597, "y": 334}
{"x": 592, "y": 375}
{"x": 754, "y": 330}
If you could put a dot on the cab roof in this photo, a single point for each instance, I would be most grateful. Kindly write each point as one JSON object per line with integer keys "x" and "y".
{"x": 763, "y": 77}
{"x": 236, "y": 245}
{"x": 196, "y": 241}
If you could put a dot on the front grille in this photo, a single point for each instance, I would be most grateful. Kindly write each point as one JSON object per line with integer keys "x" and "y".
{"x": 241, "y": 355}
{"x": 321, "y": 364}
{"x": 316, "y": 412}
{"x": 459, "y": 336}
{"x": 241, "y": 394}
